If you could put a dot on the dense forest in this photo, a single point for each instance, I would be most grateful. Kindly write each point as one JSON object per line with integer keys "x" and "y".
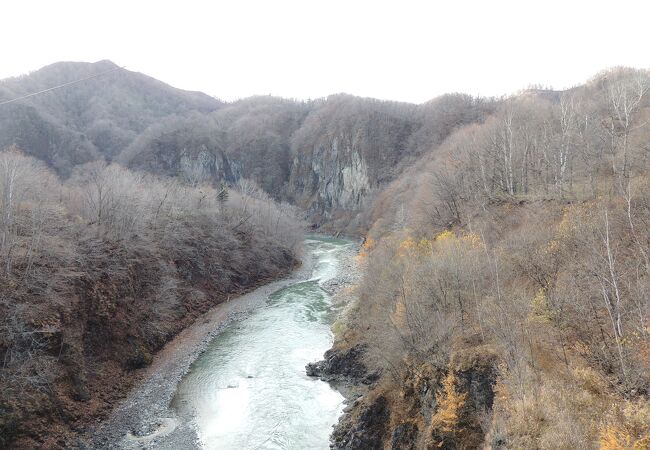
{"x": 101, "y": 269}
{"x": 329, "y": 156}
{"x": 504, "y": 299}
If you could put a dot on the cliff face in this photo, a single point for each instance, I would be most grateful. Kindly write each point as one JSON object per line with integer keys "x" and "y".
{"x": 205, "y": 165}
{"x": 347, "y": 148}
{"x": 403, "y": 412}
{"x": 325, "y": 181}
{"x": 330, "y": 178}
{"x": 327, "y": 157}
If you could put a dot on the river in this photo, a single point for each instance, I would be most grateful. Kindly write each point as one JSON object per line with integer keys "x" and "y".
{"x": 248, "y": 390}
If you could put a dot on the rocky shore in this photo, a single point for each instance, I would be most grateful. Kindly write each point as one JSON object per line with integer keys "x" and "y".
{"x": 347, "y": 275}
{"x": 344, "y": 368}
{"x": 371, "y": 406}
{"x": 144, "y": 420}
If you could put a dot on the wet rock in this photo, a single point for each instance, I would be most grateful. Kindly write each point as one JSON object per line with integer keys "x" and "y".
{"x": 367, "y": 431}
{"x": 342, "y": 365}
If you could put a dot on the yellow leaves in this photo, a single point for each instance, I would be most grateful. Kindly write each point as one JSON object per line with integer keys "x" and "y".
{"x": 473, "y": 239}
{"x": 450, "y": 402}
{"x": 540, "y": 311}
{"x": 366, "y": 248}
{"x": 445, "y": 236}
{"x": 425, "y": 245}
{"x": 410, "y": 247}
{"x": 369, "y": 244}
{"x": 406, "y": 246}
{"x": 631, "y": 430}
{"x": 611, "y": 438}
{"x": 637, "y": 418}
{"x": 642, "y": 444}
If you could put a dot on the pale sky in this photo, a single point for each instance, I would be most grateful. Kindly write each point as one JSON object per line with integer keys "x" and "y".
{"x": 401, "y": 50}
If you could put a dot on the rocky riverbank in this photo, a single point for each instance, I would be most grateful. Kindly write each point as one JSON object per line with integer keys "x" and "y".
{"x": 144, "y": 419}
{"x": 347, "y": 275}
{"x": 384, "y": 412}
{"x": 345, "y": 369}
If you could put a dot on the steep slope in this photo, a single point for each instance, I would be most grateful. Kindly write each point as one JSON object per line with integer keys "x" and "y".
{"x": 349, "y": 149}
{"x": 99, "y": 272}
{"x": 504, "y": 302}
{"x": 45, "y": 138}
{"x": 505, "y": 296}
{"x": 330, "y": 156}
{"x": 245, "y": 139}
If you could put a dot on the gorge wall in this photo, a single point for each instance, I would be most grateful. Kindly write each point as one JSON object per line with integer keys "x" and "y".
{"x": 328, "y": 156}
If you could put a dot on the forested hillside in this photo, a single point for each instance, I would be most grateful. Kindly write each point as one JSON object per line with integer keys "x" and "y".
{"x": 91, "y": 120}
{"x": 506, "y": 260}
{"x": 505, "y": 299}
{"x": 330, "y": 156}
{"x": 100, "y": 270}
{"x": 130, "y": 207}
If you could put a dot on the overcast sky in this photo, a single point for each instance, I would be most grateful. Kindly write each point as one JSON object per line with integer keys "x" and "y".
{"x": 401, "y": 50}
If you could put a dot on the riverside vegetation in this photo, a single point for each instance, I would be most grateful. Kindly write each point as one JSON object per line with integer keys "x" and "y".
{"x": 504, "y": 298}
{"x": 100, "y": 270}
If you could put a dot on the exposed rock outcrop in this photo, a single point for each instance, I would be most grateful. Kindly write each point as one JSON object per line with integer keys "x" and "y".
{"x": 330, "y": 178}
{"x": 343, "y": 366}
{"x": 366, "y": 430}
{"x": 383, "y": 413}
{"x": 404, "y": 437}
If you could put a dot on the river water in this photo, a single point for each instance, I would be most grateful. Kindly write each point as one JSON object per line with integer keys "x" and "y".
{"x": 249, "y": 390}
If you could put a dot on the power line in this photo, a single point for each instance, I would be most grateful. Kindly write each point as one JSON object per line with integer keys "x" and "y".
{"x": 61, "y": 85}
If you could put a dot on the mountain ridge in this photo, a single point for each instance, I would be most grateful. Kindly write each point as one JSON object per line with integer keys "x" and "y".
{"x": 328, "y": 155}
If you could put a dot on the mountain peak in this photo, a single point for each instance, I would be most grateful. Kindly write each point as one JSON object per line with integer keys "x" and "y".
{"x": 105, "y": 64}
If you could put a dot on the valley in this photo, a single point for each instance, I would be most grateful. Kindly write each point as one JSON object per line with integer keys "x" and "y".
{"x": 499, "y": 298}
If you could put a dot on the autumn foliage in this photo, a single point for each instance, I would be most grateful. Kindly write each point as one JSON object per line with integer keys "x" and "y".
{"x": 99, "y": 271}
{"x": 446, "y": 420}
{"x": 523, "y": 237}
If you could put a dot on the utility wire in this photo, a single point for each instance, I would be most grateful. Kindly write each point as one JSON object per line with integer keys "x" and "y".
{"x": 60, "y": 86}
